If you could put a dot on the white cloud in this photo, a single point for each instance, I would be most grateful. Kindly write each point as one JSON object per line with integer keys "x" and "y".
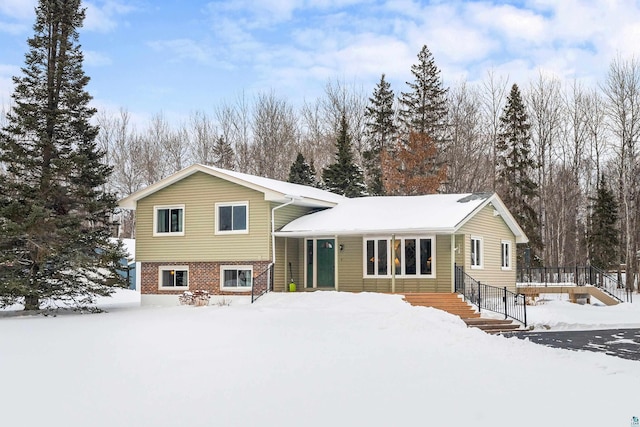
{"x": 510, "y": 23}
{"x": 13, "y": 28}
{"x": 96, "y": 59}
{"x": 103, "y": 18}
{"x": 18, "y": 9}
{"x": 6, "y": 82}
{"x": 182, "y": 49}
{"x": 16, "y": 16}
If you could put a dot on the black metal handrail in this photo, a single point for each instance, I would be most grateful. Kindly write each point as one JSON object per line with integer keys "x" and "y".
{"x": 578, "y": 276}
{"x": 262, "y": 283}
{"x": 492, "y": 298}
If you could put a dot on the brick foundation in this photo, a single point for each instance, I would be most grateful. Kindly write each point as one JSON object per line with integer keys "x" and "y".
{"x": 202, "y": 276}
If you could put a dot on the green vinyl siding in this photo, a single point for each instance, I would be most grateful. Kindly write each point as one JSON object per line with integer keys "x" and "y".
{"x": 287, "y": 214}
{"x": 491, "y": 228}
{"x": 460, "y": 252}
{"x": 350, "y": 264}
{"x": 288, "y": 250}
{"x": 199, "y": 193}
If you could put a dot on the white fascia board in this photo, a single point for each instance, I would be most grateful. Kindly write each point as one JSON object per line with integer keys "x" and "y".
{"x": 130, "y": 201}
{"x": 277, "y": 197}
{"x": 389, "y": 232}
{"x": 498, "y": 205}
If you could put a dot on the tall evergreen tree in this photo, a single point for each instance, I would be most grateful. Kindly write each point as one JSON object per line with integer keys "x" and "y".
{"x": 381, "y": 128}
{"x": 423, "y": 109}
{"x": 344, "y": 176}
{"x": 55, "y": 217}
{"x": 603, "y": 230}
{"x": 302, "y": 172}
{"x": 515, "y": 168}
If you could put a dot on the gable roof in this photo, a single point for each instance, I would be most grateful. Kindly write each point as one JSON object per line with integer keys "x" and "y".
{"x": 434, "y": 213}
{"x": 273, "y": 190}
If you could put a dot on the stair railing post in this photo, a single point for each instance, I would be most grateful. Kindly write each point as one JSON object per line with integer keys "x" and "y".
{"x": 479, "y": 296}
{"x": 504, "y": 299}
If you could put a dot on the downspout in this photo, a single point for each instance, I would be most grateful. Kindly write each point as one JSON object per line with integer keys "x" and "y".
{"x": 292, "y": 199}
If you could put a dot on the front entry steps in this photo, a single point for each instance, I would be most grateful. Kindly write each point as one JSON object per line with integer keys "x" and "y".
{"x": 454, "y": 304}
{"x": 450, "y": 303}
{"x": 493, "y": 326}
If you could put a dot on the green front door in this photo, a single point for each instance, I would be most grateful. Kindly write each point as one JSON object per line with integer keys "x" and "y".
{"x": 326, "y": 263}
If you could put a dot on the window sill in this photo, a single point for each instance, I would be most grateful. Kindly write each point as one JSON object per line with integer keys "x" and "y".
{"x": 398, "y": 276}
{"x": 220, "y": 233}
{"x": 168, "y": 234}
{"x": 173, "y": 288}
{"x": 244, "y": 289}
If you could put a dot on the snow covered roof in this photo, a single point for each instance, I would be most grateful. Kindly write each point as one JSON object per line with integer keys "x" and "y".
{"x": 274, "y": 190}
{"x": 435, "y": 213}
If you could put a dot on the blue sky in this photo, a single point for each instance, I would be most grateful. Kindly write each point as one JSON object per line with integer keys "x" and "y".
{"x": 180, "y": 56}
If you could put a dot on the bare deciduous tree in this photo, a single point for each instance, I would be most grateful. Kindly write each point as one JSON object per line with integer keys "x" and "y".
{"x": 622, "y": 92}
{"x": 202, "y": 134}
{"x": 493, "y": 95}
{"x": 316, "y": 141}
{"x": 275, "y": 133}
{"x": 348, "y": 100}
{"x": 468, "y": 158}
{"x": 545, "y": 114}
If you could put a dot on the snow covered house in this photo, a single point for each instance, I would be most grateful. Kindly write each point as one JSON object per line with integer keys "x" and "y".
{"x": 206, "y": 228}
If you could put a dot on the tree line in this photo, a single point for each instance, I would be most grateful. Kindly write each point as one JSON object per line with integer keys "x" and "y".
{"x": 562, "y": 155}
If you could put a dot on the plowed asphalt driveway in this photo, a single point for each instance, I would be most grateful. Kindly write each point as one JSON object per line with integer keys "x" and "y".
{"x": 624, "y": 343}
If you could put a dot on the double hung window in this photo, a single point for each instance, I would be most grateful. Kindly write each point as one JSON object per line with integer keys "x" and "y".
{"x": 476, "y": 252}
{"x": 506, "y": 255}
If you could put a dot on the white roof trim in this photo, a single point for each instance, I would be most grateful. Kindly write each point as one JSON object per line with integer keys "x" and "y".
{"x": 499, "y": 206}
{"x": 273, "y": 190}
{"x": 365, "y": 233}
{"x": 331, "y": 222}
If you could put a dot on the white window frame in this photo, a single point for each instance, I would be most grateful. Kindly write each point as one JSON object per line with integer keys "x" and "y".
{"x": 390, "y": 259}
{"x": 478, "y": 262}
{"x": 157, "y": 233}
{"x": 231, "y": 204}
{"x": 505, "y": 244}
{"x": 375, "y": 251}
{"x": 163, "y": 268}
{"x": 224, "y": 268}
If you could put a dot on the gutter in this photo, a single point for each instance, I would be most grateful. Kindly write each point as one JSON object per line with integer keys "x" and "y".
{"x": 378, "y": 232}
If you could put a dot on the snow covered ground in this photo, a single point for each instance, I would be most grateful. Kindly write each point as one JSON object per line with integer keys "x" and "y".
{"x": 307, "y": 359}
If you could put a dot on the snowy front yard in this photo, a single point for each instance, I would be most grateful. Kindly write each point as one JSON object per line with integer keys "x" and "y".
{"x": 319, "y": 359}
